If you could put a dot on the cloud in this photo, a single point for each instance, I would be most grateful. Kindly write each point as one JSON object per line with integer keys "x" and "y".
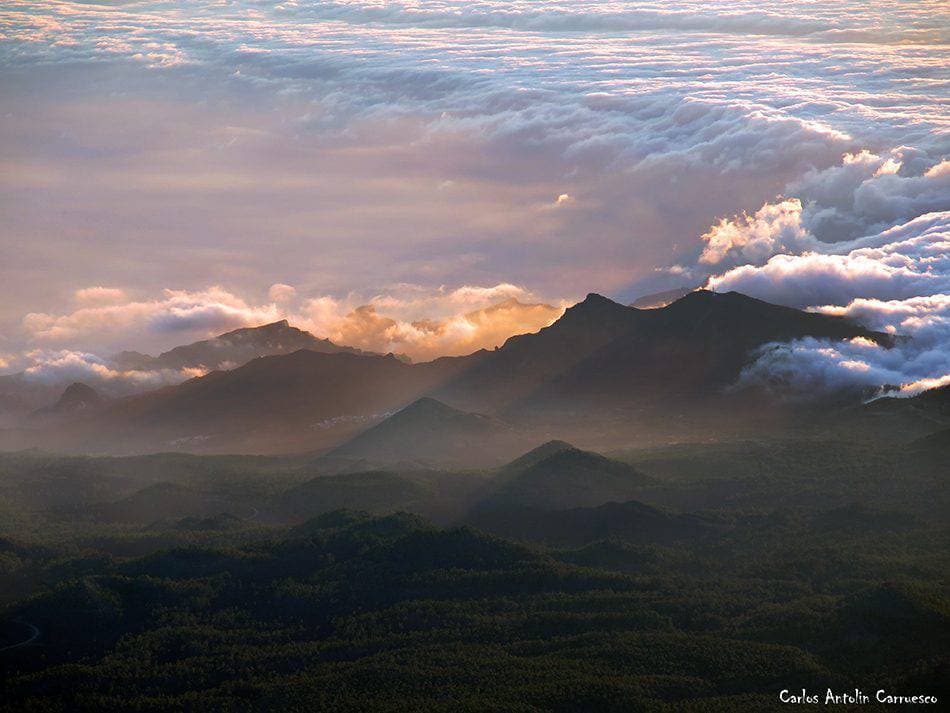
{"x": 280, "y": 293}
{"x": 806, "y": 367}
{"x": 863, "y": 195}
{"x": 179, "y": 312}
{"x": 62, "y": 366}
{"x": 473, "y": 295}
{"x": 897, "y": 281}
{"x": 425, "y": 325}
{"x": 607, "y": 17}
{"x": 909, "y": 260}
{"x": 406, "y": 319}
{"x": 427, "y": 144}
{"x": 868, "y": 193}
{"x": 774, "y": 228}
{"x": 92, "y": 296}
{"x": 864, "y": 239}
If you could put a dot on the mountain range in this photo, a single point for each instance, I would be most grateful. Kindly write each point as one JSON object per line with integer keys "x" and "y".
{"x": 23, "y": 392}
{"x": 232, "y": 349}
{"x": 601, "y": 374}
{"x": 601, "y": 354}
{"x": 293, "y": 402}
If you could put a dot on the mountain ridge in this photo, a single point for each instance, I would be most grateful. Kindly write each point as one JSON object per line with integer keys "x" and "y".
{"x": 236, "y": 348}
{"x": 602, "y": 373}
{"x": 601, "y": 348}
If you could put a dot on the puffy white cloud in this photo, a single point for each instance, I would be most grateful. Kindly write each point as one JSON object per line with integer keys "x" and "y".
{"x": 61, "y": 366}
{"x": 774, "y": 228}
{"x": 802, "y": 368}
{"x": 897, "y": 281}
{"x": 910, "y": 260}
{"x": 868, "y": 193}
{"x": 864, "y": 195}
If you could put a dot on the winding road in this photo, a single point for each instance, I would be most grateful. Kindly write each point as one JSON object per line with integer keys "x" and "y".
{"x": 34, "y": 635}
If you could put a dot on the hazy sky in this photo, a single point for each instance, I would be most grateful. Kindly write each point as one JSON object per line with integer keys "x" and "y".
{"x": 433, "y": 158}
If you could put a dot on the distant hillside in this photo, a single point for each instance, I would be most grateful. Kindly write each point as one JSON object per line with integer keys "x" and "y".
{"x": 935, "y": 441}
{"x": 556, "y": 478}
{"x": 162, "y": 501}
{"x": 603, "y": 374}
{"x": 432, "y": 433}
{"x": 283, "y": 403}
{"x": 22, "y": 393}
{"x": 78, "y": 397}
{"x": 78, "y": 401}
{"x": 897, "y": 418}
{"x": 932, "y": 403}
{"x": 525, "y": 362}
{"x": 374, "y": 491}
{"x": 232, "y": 349}
{"x": 630, "y": 521}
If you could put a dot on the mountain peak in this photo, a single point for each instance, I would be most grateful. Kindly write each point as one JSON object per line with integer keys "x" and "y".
{"x": 430, "y": 406}
{"x": 279, "y": 324}
{"x": 536, "y": 455}
{"x": 557, "y": 476}
{"x": 426, "y": 400}
{"x": 234, "y": 348}
{"x": 594, "y": 299}
{"x": 430, "y": 431}
{"x": 78, "y": 397}
{"x": 595, "y": 305}
{"x": 261, "y": 329}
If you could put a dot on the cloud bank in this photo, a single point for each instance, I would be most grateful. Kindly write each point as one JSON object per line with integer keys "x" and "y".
{"x": 423, "y": 339}
{"x": 336, "y": 150}
{"x": 897, "y": 281}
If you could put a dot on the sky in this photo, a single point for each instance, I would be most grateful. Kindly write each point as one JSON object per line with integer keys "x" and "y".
{"x": 386, "y": 173}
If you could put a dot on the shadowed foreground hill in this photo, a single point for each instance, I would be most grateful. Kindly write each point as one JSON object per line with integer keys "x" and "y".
{"x": 349, "y": 613}
{"x": 175, "y": 582}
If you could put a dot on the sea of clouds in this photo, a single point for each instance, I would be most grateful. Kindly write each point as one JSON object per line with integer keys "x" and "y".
{"x": 360, "y": 156}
